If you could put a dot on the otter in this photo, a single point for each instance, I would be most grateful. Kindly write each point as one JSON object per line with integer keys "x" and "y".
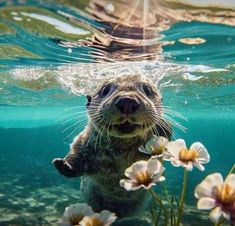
{"x": 124, "y": 113}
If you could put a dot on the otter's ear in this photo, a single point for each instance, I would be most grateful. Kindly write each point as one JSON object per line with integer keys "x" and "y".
{"x": 88, "y": 97}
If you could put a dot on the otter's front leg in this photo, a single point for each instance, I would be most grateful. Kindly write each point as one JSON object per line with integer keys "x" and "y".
{"x": 73, "y": 165}
{"x": 64, "y": 167}
{"x": 78, "y": 160}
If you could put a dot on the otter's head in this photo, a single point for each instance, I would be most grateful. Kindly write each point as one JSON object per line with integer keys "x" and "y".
{"x": 125, "y": 107}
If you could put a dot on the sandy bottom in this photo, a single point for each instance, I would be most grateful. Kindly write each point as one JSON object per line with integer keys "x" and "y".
{"x": 30, "y": 203}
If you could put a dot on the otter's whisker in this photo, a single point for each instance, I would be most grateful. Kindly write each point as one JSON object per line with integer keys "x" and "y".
{"x": 176, "y": 124}
{"x": 147, "y": 124}
{"x": 90, "y": 137}
{"x": 99, "y": 125}
{"x": 75, "y": 107}
{"x": 75, "y": 125}
{"x": 72, "y": 119}
{"x": 153, "y": 128}
{"x": 101, "y": 132}
{"x": 108, "y": 132}
{"x": 82, "y": 113}
{"x": 78, "y": 125}
{"x": 174, "y": 114}
{"x": 172, "y": 121}
{"x": 159, "y": 120}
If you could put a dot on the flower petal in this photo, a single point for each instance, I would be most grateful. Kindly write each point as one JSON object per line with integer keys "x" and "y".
{"x": 204, "y": 156}
{"x": 230, "y": 180}
{"x": 135, "y": 167}
{"x": 150, "y": 143}
{"x": 188, "y": 166}
{"x": 174, "y": 147}
{"x": 166, "y": 156}
{"x": 64, "y": 222}
{"x": 199, "y": 166}
{"x": 107, "y": 217}
{"x": 206, "y": 187}
{"x": 129, "y": 185}
{"x": 175, "y": 162}
{"x": 162, "y": 141}
{"x": 154, "y": 166}
{"x": 158, "y": 178}
{"x": 206, "y": 203}
{"x": 148, "y": 186}
{"x": 87, "y": 220}
{"x": 76, "y": 209}
{"x": 215, "y": 214}
{"x": 144, "y": 150}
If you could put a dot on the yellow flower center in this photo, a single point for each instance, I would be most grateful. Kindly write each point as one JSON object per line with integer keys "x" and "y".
{"x": 188, "y": 155}
{"x": 75, "y": 219}
{"x": 93, "y": 221}
{"x": 143, "y": 177}
{"x": 225, "y": 194}
{"x": 158, "y": 150}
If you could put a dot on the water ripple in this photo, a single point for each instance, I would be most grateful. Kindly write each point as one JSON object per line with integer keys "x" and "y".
{"x": 70, "y": 47}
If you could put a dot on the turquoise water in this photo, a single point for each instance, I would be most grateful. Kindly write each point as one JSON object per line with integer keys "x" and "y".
{"x": 46, "y": 68}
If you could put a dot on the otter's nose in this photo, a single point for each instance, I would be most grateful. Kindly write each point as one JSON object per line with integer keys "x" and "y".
{"x": 127, "y": 105}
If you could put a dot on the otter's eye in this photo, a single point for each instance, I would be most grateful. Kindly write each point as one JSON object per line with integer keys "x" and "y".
{"x": 106, "y": 90}
{"x": 147, "y": 90}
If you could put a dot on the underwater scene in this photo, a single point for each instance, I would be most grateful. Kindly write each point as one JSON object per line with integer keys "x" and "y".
{"x": 56, "y": 54}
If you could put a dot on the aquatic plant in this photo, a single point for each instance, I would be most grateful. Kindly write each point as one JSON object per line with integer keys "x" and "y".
{"x": 155, "y": 146}
{"x": 217, "y": 194}
{"x": 75, "y": 213}
{"x": 105, "y": 218}
{"x": 82, "y": 214}
{"x": 143, "y": 174}
{"x": 179, "y": 155}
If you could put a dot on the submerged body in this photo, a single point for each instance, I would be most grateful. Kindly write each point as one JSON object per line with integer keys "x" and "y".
{"x": 124, "y": 114}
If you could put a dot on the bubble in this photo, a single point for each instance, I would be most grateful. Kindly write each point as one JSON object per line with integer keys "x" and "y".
{"x": 109, "y": 8}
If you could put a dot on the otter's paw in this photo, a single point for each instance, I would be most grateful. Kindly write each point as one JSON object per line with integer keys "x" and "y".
{"x": 63, "y": 167}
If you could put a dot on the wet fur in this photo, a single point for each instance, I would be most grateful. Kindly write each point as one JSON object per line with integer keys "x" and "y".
{"x": 100, "y": 154}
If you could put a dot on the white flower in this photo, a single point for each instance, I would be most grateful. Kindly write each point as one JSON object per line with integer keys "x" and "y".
{"x": 155, "y": 146}
{"x": 214, "y": 193}
{"x": 179, "y": 155}
{"x": 143, "y": 174}
{"x": 105, "y": 218}
{"x": 74, "y": 214}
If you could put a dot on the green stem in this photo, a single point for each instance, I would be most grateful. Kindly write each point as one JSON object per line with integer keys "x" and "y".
{"x": 219, "y": 223}
{"x": 232, "y": 170}
{"x": 158, "y": 200}
{"x": 166, "y": 193}
{"x": 182, "y": 198}
{"x": 169, "y": 201}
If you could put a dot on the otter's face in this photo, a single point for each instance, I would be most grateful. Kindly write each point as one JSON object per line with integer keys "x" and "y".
{"x": 125, "y": 107}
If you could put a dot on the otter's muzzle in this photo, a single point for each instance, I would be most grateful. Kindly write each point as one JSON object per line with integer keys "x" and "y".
{"x": 127, "y": 105}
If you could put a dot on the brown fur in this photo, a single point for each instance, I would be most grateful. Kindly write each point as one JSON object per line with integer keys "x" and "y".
{"x": 103, "y": 151}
